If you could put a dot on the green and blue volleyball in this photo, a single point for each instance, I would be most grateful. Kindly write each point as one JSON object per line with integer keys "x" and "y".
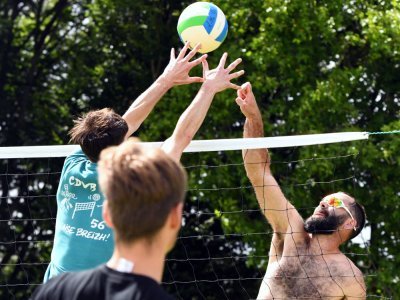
{"x": 204, "y": 23}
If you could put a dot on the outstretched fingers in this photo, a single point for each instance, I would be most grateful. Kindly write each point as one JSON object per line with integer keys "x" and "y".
{"x": 222, "y": 60}
{"x": 183, "y": 51}
{"x": 205, "y": 68}
{"x": 236, "y": 74}
{"x": 195, "y": 79}
{"x": 234, "y": 86}
{"x": 220, "y": 78}
{"x": 193, "y": 52}
{"x": 172, "y": 55}
{"x": 197, "y": 61}
{"x": 233, "y": 65}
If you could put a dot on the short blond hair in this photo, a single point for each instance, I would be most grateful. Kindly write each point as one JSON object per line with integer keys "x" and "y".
{"x": 141, "y": 185}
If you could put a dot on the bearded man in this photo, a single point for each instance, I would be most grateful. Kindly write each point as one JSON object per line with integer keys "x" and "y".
{"x": 304, "y": 257}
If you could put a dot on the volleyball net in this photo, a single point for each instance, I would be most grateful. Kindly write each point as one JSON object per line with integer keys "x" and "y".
{"x": 222, "y": 248}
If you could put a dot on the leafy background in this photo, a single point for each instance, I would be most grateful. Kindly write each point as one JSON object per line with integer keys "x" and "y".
{"x": 316, "y": 67}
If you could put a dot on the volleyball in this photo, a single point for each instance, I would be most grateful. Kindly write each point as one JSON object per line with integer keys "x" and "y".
{"x": 204, "y": 23}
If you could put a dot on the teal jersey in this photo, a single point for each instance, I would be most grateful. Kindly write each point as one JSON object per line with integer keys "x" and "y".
{"x": 82, "y": 240}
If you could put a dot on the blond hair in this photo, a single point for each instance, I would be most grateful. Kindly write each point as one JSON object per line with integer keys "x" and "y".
{"x": 141, "y": 185}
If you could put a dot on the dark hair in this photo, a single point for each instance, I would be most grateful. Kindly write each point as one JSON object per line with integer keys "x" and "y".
{"x": 98, "y": 130}
{"x": 360, "y": 216}
{"x": 141, "y": 186}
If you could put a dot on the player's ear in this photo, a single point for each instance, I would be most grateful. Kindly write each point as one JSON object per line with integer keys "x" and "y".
{"x": 350, "y": 224}
{"x": 176, "y": 216}
{"x": 106, "y": 214}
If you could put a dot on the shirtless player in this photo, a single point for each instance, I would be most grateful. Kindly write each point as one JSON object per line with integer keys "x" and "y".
{"x": 304, "y": 257}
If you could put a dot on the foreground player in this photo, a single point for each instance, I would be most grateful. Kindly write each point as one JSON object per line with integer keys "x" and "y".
{"x": 82, "y": 240}
{"x": 145, "y": 190}
{"x": 304, "y": 257}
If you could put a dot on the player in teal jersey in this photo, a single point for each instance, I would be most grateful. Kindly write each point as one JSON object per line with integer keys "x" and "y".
{"x": 82, "y": 240}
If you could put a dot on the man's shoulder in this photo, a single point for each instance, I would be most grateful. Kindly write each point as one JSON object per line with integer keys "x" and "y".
{"x": 90, "y": 282}
{"x": 79, "y": 162}
{"x": 354, "y": 269}
{"x": 61, "y": 285}
{"x": 341, "y": 266}
{"x": 77, "y": 155}
{"x": 350, "y": 278}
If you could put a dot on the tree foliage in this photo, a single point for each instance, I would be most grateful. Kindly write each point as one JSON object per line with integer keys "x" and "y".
{"x": 315, "y": 66}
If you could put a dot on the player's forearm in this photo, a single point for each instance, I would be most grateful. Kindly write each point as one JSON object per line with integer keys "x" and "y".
{"x": 256, "y": 160}
{"x": 268, "y": 192}
{"x": 144, "y": 104}
{"x": 257, "y": 164}
{"x": 273, "y": 203}
{"x": 189, "y": 122}
{"x": 253, "y": 126}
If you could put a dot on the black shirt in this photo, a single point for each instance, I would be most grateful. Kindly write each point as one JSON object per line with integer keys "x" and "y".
{"x": 101, "y": 283}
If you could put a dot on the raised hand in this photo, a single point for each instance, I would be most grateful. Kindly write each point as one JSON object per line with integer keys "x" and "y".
{"x": 178, "y": 68}
{"x": 247, "y": 102}
{"x": 219, "y": 79}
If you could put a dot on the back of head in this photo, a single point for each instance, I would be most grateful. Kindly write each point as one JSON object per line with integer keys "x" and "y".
{"x": 141, "y": 185}
{"x": 98, "y": 130}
